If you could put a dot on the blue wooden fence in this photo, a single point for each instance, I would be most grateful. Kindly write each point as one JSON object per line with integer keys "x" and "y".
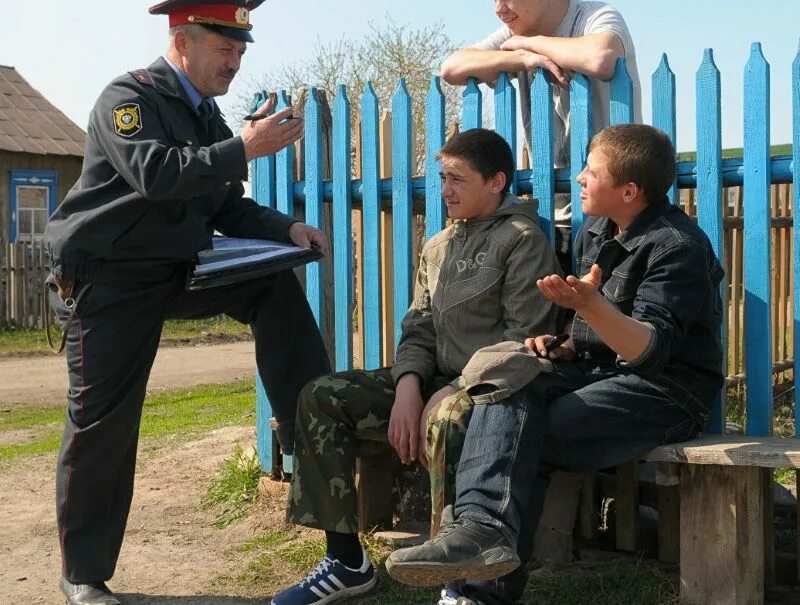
{"x": 273, "y": 185}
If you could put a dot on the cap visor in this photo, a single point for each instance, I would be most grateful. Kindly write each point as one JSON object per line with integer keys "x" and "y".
{"x": 236, "y": 33}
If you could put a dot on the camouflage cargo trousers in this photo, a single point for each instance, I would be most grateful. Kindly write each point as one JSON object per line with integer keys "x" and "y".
{"x": 335, "y": 412}
{"x": 447, "y": 428}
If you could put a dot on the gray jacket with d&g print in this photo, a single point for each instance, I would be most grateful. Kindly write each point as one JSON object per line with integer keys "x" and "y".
{"x": 476, "y": 286}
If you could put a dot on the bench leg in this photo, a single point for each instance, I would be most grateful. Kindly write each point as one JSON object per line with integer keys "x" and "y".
{"x": 668, "y": 479}
{"x": 722, "y": 539}
{"x": 554, "y": 535}
{"x": 374, "y": 491}
{"x": 627, "y": 502}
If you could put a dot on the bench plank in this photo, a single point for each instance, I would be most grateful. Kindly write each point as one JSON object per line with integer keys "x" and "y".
{"x": 731, "y": 450}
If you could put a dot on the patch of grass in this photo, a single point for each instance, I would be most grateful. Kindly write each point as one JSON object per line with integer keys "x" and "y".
{"x": 235, "y": 488}
{"x": 285, "y": 557}
{"x": 15, "y": 341}
{"x": 618, "y": 582}
{"x": 266, "y": 541}
{"x": 20, "y": 341}
{"x": 182, "y": 414}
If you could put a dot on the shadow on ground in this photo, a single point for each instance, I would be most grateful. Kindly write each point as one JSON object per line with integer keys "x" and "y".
{"x": 151, "y": 599}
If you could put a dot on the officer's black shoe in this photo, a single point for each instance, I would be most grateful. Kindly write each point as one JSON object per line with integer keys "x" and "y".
{"x": 96, "y": 593}
{"x": 461, "y": 549}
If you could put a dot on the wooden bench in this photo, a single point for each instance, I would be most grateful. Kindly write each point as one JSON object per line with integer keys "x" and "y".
{"x": 725, "y": 524}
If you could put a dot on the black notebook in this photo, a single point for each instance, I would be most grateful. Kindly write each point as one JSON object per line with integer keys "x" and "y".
{"x": 232, "y": 260}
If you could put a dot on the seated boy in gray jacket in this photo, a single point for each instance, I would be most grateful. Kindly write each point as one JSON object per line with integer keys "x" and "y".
{"x": 476, "y": 286}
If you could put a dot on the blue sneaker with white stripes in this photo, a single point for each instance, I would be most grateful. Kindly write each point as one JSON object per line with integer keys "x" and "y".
{"x": 329, "y": 581}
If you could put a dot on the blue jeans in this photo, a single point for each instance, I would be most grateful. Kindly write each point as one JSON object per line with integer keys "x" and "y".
{"x": 580, "y": 417}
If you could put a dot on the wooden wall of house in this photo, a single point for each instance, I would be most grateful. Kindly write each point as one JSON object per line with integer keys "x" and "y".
{"x": 68, "y": 167}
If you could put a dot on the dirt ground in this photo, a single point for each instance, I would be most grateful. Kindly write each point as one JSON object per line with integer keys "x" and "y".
{"x": 43, "y": 379}
{"x": 171, "y": 554}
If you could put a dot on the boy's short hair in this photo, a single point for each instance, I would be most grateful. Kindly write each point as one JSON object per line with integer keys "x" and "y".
{"x": 640, "y": 154}
{"x": 486, "y": 150}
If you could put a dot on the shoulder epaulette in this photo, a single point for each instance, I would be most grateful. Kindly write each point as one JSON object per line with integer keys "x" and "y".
{"x": 141, "y": 75}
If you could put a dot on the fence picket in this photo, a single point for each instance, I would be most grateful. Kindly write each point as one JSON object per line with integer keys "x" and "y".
{"x": 758, "y": 299}
{"x": 505, "y": 116}
{"x": 543, "y": 177}
{"x": 371, "y": 216}
{"x": 342, "y": 231}
{"x": 709, "y": 181}
{"x": 621, "y": 108}
{"x": 795, "y": 206}
{"x": 263, "y": 169}
{"x": 401, "y": 203}
{"x": 472, "y": 105}
{"x": 313, "y": 202}
{"x": 664, "y": 114}
{"x": 284, "y": 167}
{"x": 434, "y": 139}
{"x": 580, "y": 112}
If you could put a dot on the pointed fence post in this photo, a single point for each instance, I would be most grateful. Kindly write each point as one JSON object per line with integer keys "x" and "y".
{"x": 543, "y": 177}
{"x": 284, "y": 167}
{"x": 758, "y": 295}
{"x": 580, "y": 119}
{"x": 342, "y": 231}
{"x": 471, "y": 106}
{"x": 796, "y": 212}
{"x": 709, "y": 190}
{"x": 505, "y": 117}
{"x": 621, "y": 111}
{"x": 401, "y": 203}
{"x": 371, "y": 215}
{"x": 434, "y": 139}
{"x": 664, "y": 107}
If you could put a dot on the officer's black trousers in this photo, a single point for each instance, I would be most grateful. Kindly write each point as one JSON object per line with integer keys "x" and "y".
{"x": 110, "y": 348}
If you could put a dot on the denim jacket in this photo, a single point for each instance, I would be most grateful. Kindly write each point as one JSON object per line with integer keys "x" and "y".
{"x": 661, "y": 271}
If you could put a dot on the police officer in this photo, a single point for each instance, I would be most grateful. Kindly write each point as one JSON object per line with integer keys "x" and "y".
{"x": 162, "y": 171}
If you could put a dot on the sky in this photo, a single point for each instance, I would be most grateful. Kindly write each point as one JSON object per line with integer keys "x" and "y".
{"x": 70, "y": 50}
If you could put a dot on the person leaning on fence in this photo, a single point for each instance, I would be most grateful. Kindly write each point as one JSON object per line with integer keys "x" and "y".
{"x": 162, "y": 171}
{"x": 562, "y": 37}
{"x": 476, "y": 285}
{"x": 642, "y": 368}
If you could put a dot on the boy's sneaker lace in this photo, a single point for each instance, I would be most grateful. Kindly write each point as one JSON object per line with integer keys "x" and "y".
{"x": 329, "y": 581}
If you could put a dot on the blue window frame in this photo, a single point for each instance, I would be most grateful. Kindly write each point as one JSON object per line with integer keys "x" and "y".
{"x": 33, "y": 198}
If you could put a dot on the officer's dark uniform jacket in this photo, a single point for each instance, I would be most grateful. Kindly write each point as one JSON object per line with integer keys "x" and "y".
{"x": 153, "y": 189}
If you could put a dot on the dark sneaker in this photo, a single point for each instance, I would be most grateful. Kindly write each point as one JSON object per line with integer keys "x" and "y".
{"x": 96, "y": 593}
{"x": 462, "y": 549}
{"x": 331, "y": 580}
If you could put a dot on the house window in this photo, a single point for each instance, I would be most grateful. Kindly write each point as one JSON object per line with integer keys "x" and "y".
{"x": 33, "y": 198}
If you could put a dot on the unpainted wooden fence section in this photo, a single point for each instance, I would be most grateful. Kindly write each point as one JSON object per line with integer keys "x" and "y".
{"x": 23, "y": 269}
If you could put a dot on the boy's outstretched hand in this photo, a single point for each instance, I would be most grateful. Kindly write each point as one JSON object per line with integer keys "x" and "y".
{"x": 573, "y": 293}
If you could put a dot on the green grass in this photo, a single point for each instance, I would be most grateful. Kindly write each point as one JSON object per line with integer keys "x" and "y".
{"x": 182, "y": 414}
{"x": 621, "y": 582}
{"x": 235, "y": 488}
{"x": 283, "y": 557}
{"x": 15, "y": 341}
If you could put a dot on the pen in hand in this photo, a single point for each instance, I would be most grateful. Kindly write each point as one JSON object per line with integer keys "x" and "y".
{"x": 252, "y": 117}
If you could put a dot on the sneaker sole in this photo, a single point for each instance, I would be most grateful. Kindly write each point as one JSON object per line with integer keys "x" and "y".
{"x": 436, "y": 574}
{"x": 345, "y": 592}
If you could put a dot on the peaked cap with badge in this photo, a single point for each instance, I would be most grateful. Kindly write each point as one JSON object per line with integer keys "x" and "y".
{"x": 231, "y": 18}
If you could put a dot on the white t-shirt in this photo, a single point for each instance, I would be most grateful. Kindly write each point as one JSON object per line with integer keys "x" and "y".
{"x": 582, "y": 18}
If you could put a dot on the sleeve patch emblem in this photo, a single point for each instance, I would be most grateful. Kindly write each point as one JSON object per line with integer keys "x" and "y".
{"x": 127, "y": 119}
